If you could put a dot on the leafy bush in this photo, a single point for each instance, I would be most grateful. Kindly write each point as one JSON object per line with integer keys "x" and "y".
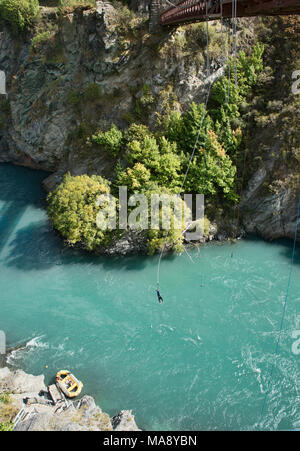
{"x": 136, "y": 178}
{"x": 72, "y": 4}
{"x": 227, "y": 98}
{"x": 167, "y": 239}
{"x": 39, "y": 39}
{"x": 5, "y": 398}
{"x": 157, "y": 155}
{"x": 211, "y": 171}
{"x": 8, "y": 411}
{"x": 144, "y": 102}
{"x": 73, "y": 210}
{"x": 19, "y": 13}
{"x": 149, "y": 158}
{"x": 6, "y": 426}
{"x": 111, "y": 140}
{"x": 157, "y": 239}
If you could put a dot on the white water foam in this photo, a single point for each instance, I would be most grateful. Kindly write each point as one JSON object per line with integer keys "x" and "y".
{"x": 17, "y": 354}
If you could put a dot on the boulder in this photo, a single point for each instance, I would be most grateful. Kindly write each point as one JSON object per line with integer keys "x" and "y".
{"x": 18, "y": 382}
{"x": 124, "y": 421}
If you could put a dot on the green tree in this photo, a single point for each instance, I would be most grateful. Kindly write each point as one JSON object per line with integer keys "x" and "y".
{"x": 19, "y": 13}
{"x": 173, "y": 238}
{"x": 110, "y": 140}
{"x": 73, "y": 210}
{"x": 211, "y": 171}
{"x": 225, "y": 92}
{"x": 188, "y": 128}
{"x": 136, "y": 179}
{"x": 157, "y": 154}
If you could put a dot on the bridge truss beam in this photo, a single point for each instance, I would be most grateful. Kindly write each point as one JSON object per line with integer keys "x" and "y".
{"x": 200, "y": 10}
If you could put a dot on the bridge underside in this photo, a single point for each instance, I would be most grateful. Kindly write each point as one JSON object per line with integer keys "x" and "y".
{"x": 193, "y": 11}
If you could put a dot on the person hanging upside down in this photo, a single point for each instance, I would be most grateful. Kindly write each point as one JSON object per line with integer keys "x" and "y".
{"x": 160, "y": 299}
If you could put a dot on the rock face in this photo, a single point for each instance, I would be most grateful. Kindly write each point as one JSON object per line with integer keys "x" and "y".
{"x": 133, "y": 242}
{"x": 271, "y": 216}
{"x": 81, "y": 415}
{"x": 272, "y": 164}
{"x": 140, "y": 5}
{"x": 19, "y": 382}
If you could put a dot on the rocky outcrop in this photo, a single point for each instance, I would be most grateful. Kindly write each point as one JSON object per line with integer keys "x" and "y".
{"x": 270, "y": 215}
{"x": 18, "y": 382}
{"x": 124, "y": 421}
{"x": 41, "y": 415}
{"x": 132, "y": 242}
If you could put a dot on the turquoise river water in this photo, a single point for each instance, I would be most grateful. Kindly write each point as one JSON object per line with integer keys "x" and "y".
{"x": 202, "y": 360}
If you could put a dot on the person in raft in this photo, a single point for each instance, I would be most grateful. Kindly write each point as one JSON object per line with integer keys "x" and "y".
{"x": 160, "y": 299}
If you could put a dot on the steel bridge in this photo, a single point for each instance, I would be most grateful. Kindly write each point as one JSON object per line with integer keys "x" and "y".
{"x": 185, "y": 11}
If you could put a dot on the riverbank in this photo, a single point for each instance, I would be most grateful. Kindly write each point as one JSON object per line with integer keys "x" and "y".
{"x": 26, "y": 406}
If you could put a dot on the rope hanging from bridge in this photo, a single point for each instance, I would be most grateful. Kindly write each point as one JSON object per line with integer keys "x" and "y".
{"x": 184, "y": 180}
{"x": 234, "y": 28}
{"x": 234, "y": 47}
{"x": 191, "y": 156}
{"x": 223, "y": 47}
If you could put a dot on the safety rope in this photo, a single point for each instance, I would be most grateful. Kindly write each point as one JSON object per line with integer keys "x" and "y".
{"x": 229, "y": 69}
{"x": 234, "y": 42}
{"x": 233, "y": 46}
{"x": 284, "y": 310}
{"x": 237, "y": 222}
{"x": 194, "y": 148}
{"x": 234, "y": 14}
{"x": 184, "y": 180}
{"x": 223, "y": 47}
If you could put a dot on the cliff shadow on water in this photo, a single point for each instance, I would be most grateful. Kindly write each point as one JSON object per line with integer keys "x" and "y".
{"x": 36, "y": 246}
{"x": 18, "y": 191}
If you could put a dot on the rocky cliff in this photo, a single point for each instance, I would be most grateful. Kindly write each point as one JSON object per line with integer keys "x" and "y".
{"x": 87, "y": 68}
{"x": 269, "y": 201}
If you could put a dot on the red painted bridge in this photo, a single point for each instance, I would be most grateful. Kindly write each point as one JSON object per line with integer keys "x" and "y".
{"x": 185, "y": 11}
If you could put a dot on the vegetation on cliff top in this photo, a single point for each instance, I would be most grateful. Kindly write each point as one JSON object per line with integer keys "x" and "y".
{"x": 7, "y": 412}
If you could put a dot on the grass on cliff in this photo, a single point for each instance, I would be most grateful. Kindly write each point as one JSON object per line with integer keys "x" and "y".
{"x": 7, "y": 412}
{"x": 68, "y": 6}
